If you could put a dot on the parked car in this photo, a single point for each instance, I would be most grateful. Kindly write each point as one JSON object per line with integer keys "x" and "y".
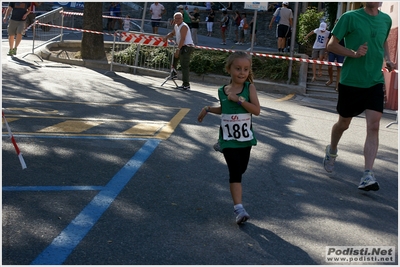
{"x": 201, "y": 5}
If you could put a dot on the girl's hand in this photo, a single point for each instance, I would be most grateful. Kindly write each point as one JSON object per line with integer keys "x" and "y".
{"x": 202, "y": 114}
{"x": 233, "y": 97}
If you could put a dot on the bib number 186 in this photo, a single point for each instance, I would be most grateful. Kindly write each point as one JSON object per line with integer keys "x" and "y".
{"x": 236, "y": 127}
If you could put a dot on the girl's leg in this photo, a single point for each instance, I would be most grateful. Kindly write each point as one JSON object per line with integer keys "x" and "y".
{"x": 237, "y": 160}
{"x": 236, "y": 192}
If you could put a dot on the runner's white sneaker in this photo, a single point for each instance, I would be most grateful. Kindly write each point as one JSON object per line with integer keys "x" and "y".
{"x": 329, "y": 159}
{"x": 368, "y": 182}
{"x": 241, "y": 215}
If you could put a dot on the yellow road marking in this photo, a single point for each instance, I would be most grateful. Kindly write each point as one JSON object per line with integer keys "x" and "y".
{"x": 289, "y": 96}
{"x": 143, "y": 129}
{"x": 70, "y": 126}
{"x": 168, "y": 129}
{"x": 10, "y": 119}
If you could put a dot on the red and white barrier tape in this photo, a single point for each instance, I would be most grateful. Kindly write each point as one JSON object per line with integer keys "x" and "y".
{"x": 154, "y": 40}
{"x": 21, "y": 159}
{"x": 67, "y": 13}
{"x": 73, "y": 29}
{"x": 283, "y": 57}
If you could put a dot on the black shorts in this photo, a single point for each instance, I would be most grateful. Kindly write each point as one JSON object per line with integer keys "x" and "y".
{"x": 155, "y": 22}
{"x": 283, "y": 31}
{"x": 353, "y": 100}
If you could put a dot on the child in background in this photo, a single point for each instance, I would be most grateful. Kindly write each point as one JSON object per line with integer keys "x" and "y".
{"x": 319, "y": 47}
{"x": 238, "y": 99}
{"x": 210, "y": 22}
{"x": 127, "y": 23}
{"x": 242, "y": 29}
{"x": 224, "y": 26}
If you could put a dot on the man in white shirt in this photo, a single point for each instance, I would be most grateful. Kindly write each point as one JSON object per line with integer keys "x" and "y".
{"x": 284, "y": 24}
{"x": 185, "y": 48}
{"x": 156, "y": 10}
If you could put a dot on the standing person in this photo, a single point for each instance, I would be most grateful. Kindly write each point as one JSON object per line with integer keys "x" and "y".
{"x": 195, "y": 25}
{"x": 238, "y": 98}
{"x": 361, "y": 81}
{"x": 110, "y": 25}
{"x": 319, "y": 47}
{"x": 237, "y": 18}
{"x": 185, "y": 48}
{"x": 284, "y": 24}
{"x": 127, "y": 23}
{"x": 156, "y": 10}
{"x": 16, "y": 26}
{"x": 339, "y": 59}
{"x": 210, "y": 22}
{"x": 117, "y": 13}
{"x": 243, "y": 28}
{"x": 31, "y": 17}
{"x": 224, "y": 26}
{"x": 185, "y": 14}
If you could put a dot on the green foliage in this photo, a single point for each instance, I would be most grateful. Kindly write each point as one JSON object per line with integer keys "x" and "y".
{"x": 331, "y": 10}
{"x": 274, "y": 69}
{"x": 202, "y": 62}
{"x": 264, "y": 68}
{"x": 126, "y": 56}
{"x": 153, "y": 56}
{"x": 308, "y": 21}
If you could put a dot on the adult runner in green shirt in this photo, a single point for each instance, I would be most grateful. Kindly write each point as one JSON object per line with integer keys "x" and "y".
{"x": 365, "y": 33}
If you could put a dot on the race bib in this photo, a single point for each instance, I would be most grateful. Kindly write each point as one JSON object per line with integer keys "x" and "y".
{"x": 236, "y": 127}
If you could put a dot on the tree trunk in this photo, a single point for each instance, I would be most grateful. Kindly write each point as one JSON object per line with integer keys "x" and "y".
{"x": 92, "y": 45}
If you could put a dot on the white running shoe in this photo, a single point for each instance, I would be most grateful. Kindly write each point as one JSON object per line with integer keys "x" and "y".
{"x": 329, "y": 159}
{"x": 241, "y": 215}
{"x": 368, "y": 182}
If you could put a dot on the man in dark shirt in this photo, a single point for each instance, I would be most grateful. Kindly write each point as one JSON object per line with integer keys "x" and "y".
{"x": 16, "y": 26}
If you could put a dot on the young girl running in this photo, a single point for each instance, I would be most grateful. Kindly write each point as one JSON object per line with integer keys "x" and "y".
{"x": 239, "y": 101}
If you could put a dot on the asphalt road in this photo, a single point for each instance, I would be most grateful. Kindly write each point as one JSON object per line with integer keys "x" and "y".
{"x": 120, "y": 172}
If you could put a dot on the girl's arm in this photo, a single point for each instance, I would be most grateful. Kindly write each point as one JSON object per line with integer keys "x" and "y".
{"x": 254, "y": 105}
{"x": 208, "y": 109}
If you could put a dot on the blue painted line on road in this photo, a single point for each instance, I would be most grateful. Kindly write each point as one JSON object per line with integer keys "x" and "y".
{"x": 52, "y": 188}
{"x": 62, "y": 246}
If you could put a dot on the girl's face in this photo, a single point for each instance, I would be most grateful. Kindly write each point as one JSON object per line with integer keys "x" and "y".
{"x": 239, "y": 70}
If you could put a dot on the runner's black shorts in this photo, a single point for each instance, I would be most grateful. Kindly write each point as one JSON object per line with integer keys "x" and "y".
{"x": 155, "y": 22}
{"x": 354, "y": 100}
{"x": 283, "y": 31}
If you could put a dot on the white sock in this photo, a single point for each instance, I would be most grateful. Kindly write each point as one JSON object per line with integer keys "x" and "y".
{"x": 238, "y": 206}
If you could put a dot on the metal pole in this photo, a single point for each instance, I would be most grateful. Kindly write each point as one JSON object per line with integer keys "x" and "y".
{"x": 62, "y": 24}
{"x": 253, "y": 30}
{"x": 292, "y": 39}
{"x": 143, "y": 17}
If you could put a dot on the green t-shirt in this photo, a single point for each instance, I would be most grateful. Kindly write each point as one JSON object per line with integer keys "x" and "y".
{"x": 186, "y": 18}
{"x": 230, "y": 107}
{"x": 357, "y": 27}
